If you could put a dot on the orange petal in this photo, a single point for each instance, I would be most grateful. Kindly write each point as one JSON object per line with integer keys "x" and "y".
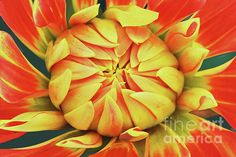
{"x": 9, "y": 135}
{"x": 89, "y": 140}
{"x": 159, "y": 136}
{"x": 221, "y": 83}
{"x": 50, "y": 14}
{"x": 168, "y": 14}
{"x": 216, "y": 34}
{"x": 206, "y": 137}
{"x": 122, "y": 149}
{"x": 141, "y": 3}
{"x": 18, "y": 17}
{"x": 27, "y": 80}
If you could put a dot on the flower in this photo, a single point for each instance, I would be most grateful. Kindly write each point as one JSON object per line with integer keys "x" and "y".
{"x": 131, "y": 72}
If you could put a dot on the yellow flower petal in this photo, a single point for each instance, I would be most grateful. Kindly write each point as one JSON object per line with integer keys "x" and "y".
{"x": 138, "y": 34}
{"x": 57, "y": 52}
{"x": 107, "y": 28}
{"x": 140, "y": 114}
{"x": 161, "y": 106}
{"x": 190, "y": 60}
{"x": 111, "y": 122}
{"x": 89, "y": 35}
{"x": 84, "y": 15}
{"x": 59, "y": 87}
{"x": 131, "y": 15}
{"x": 34, "y": 121}
{"x": 81, "y": 117}
{"x": 172, "y": 77}
{"x": 196, "y": 99}
{"x": 133, "y": 135}
{"x": 151, "y": 48}
{"x": 78, "y": 96}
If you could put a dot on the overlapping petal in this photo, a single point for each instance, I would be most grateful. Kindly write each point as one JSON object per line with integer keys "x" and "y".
{"x": 27, "y": 81}
{"x": 19, "y": 18}
{"x": 50, "y": 14}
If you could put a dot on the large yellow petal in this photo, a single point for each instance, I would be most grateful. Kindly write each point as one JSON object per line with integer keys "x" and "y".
{"x": 84, "y": 15}
{"x": 59, "y": 87}
{"x": 172, "y": 77}
{"x": 81, "y": 117}
{"x": 107, "y": 28}
{"x": 131, "y": 15}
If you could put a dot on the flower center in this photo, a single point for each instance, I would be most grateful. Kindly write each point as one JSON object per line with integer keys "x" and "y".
{"x": 112, "y": 82}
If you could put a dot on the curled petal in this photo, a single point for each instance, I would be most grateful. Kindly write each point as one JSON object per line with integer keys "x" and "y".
{"x": 34, "y": 121}
{"x": 133, "y": 135}
{"x": 89, "y": 140}
{"x": 196, "y": 99}
{"x": 182, "y": 34}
